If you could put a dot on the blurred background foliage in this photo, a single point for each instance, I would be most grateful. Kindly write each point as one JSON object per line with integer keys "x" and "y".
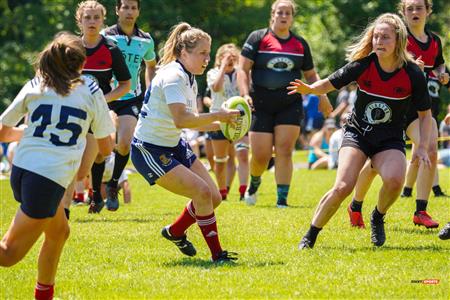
{"x": 328, "y": 25}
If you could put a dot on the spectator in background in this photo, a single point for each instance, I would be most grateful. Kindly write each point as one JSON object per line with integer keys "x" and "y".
{"x": 319, "y": 146}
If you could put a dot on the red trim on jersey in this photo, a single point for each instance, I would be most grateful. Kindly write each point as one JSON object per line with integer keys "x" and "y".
{"x": 100, "y": 60}
{"x": 429, "y": 55}
{"x": 398, "y": 87}
{"x": 270, "y": 43}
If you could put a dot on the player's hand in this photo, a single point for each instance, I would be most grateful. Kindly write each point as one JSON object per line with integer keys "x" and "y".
{"x": 228, "y": 115}
{"x": 249, "y": 101}
{"x": 420, "y": 63}
{"x": 298, "y": 86}
{"x": 325, "y": 106}
{"x": 443, "y": 78}
{"x": 227, "y": 59}
{"x": 421, "y": 156}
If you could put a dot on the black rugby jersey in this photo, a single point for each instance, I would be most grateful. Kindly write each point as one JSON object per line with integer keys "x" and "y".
{"x": 383, "y": 98}
{"x": 104, "y": 61}
{"x": 276, "y": 61}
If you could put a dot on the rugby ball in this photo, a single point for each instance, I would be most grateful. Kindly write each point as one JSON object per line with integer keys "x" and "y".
{"x": 234, "y": 132}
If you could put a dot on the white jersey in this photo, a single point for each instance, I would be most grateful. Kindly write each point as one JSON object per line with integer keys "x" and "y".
{"x": 172, "y": 84}
{"x": 229, "y": 89}
{"x": 55, "y": 139}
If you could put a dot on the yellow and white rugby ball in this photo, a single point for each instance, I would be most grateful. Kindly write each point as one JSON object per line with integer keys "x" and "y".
{"x": 234, "y": 132}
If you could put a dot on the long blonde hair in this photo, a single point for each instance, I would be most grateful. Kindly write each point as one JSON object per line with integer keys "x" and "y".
{"x": 89, "y": 4}
{"x": 224, "y": 49}
{"x": 362, "y": 46}
{"x": 182, "y": 36}
{"x": 59, "y": 64}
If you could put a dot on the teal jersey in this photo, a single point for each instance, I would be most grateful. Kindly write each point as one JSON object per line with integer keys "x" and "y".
{"x": 135, "y": 49}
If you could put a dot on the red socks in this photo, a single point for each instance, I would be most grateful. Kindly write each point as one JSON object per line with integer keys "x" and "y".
{"x": 43, "y": 291}
{"x": 223, "y": 193}
{"x": 184, "y": 221}
{"x": 242, "y": 189}
{"x": 208, "y": 226}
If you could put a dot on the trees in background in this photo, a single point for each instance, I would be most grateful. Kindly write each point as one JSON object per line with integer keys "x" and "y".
{"x": 328, "y": 25}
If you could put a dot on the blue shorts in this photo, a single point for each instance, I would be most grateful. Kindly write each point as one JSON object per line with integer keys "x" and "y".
{"x": 39, "y": 196}
{"x": 154, "y": 161}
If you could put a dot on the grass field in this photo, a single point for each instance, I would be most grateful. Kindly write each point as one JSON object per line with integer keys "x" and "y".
{"x": 121, "y": 255}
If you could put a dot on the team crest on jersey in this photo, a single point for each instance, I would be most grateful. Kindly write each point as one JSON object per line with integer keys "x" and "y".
{"x": 165, "y": 160}
{"x": 377, "y": 112}
{"x": 280, "y": 64}
{"x": 433, "y": 88}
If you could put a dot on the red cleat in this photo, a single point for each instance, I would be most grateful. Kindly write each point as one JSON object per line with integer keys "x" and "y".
{"x": 356, "y": 218}
{"x": 424, "y": 219}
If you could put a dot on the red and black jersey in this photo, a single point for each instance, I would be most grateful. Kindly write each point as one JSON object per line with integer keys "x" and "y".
{"x": 104, "y": 61}
{"x": 430, "y": 52}
{"x": 276, "y": 61}
{"x": 383, "y": 98}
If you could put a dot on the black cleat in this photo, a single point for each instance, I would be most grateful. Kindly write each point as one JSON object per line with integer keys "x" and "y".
{"x": 182, "y": 243}
{"x": 378, "y": 236}
{"x": 406, "y": 193}
{"x": 112, "y": 198}
{"x": 225, "y": 257}
{"x": 306, "y": 243}
{"x": 444, "y": 234}
{"x": 96, "y": 207}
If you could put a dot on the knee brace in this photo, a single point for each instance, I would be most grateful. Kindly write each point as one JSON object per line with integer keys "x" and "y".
{"x": 221, "y": 159}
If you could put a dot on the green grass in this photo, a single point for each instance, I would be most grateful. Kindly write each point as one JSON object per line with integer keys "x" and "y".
{"x": 120, "y": 255}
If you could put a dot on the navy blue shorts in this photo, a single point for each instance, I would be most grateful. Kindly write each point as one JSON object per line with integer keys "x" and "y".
{"x": 39, "y": 196}
{"x": 131, "y": 107}
{"x": 154, "y": 161}
{"x": 352, "y": 138}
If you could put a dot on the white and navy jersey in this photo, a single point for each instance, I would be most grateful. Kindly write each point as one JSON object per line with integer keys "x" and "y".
{"x": 276, "y": 61}
{"x": 383, "y": 98}
{"x": 172, "y": 84}
{"x": 229, "y": 89}
{"x": 55, "y": 139}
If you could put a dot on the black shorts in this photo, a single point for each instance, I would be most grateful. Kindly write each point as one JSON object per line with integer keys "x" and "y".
{"x": 275, "y": 107}
{"x": 39, "y": 196}
{"x": 352, "y": 138}
{"x": 216, "y": 135}
{"x": 130, "y": 107}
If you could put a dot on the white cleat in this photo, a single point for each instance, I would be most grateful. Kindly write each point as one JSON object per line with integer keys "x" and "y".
{"x": 250, "y": 199}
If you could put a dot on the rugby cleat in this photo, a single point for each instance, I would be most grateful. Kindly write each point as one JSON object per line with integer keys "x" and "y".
{"x": 112, "y": 200}
{"x": 225, "y": 257}
{"x": 182, "y": 243}
{"x": 377, "y": 236}
{"x": 96, "y": 207}
{"x": 422, "y": 218}
{"x": 444, "y": 234}
{"x": 250, "y": 199}
{"x": 306, "y": 243}
{"x": 356, "y": 218}
{"x": 406, "y": 193}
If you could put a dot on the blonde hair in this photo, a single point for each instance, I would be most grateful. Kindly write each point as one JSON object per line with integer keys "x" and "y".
{"x": 90, "y": 4}
{"x": 224, "y": 49}
{"x": 60, "y": 63}
{"x": 274, "y": 6}
{"x": 182, "y": 36}
{"x": 401, "y": 6}
{"x": 362, "y": 46}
